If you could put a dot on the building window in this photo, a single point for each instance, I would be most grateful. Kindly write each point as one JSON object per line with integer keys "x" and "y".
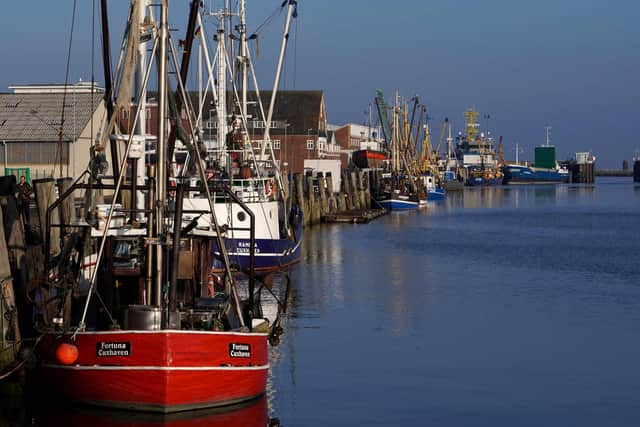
{"x": 309, "y": 144}
{"x": 260, "y": 124}
{"x": 276, "y": 144}
{"x": 321, "y": 146}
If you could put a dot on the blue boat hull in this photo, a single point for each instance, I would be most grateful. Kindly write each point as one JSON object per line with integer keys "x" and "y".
{"x": 398, "y": 205}
{"x": 270, "y": 254}
{"x": 524, "y": 175}
{"x": 434, "y": 195}
{"x": 476, "y": 181}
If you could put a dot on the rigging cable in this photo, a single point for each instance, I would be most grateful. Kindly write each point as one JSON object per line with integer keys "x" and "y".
{"x": 295, "y": 51}
{"x": 64, "y": 93}
{"x": 267, "y": 22}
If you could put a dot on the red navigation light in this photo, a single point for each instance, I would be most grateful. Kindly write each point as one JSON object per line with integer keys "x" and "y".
{"x": 67, "y": 353}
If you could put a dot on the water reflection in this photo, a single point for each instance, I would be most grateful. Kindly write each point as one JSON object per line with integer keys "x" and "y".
{"x": 514, "y": 196}
{"x": 450, "y": 310}
{"x": 251, "y": 414}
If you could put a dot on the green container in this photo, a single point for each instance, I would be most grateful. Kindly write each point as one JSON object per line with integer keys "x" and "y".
{"x": 545, "y": 157}
{"x": 18, "y": 172}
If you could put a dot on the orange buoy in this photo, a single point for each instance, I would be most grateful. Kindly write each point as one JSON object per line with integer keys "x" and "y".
{"x": 67, "y": 353}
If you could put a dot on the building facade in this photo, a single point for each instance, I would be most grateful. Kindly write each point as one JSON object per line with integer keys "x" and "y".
{"x": 298, "y": 129}
{"x": 47, "y": 130}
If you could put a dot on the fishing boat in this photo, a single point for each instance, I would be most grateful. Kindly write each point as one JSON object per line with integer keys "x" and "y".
{"x": 476, "y": 154}
{"x": 131, "y": 315}
{"x": 546, "y": 169}
{"x": 449, "y": 167}
{"x": 239, "y": 160}
{"x": 452, "y": 182}
{"x": 395, "y": 200}
{"x": 400, "y": 188}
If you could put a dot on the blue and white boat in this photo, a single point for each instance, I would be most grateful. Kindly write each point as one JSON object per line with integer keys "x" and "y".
{"x": 271, "y": 254}
{"x": 434, "y": 192}
{"x": 518, "y": 174}
{"x": 245, "y": 163}
{"x": 545, "y": 170}
{"x": 395, "y": 201}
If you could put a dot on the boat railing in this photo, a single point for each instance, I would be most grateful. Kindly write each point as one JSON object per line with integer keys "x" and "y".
{"x": 249, "y": 190}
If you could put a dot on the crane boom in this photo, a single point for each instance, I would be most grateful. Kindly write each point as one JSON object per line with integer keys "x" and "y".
{"x": 442, "y": 129}
{"x": 382, "y": 114}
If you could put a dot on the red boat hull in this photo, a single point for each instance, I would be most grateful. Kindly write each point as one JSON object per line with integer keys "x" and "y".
{"x": 160, "y": 371}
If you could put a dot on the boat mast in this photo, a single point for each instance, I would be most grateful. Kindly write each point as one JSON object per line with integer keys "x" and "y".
{"x": 243, "y": 58}
{"x": 161, "y": 172}
{"x": 547, "y": 130}
{"x": 141, "y": 123}
{"x": 283, "y": 47}
{"x": 449, "y": 147}
{"x": 221, "y": 108}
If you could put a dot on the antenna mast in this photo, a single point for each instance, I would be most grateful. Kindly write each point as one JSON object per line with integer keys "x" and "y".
{"x": 547, "y": 129}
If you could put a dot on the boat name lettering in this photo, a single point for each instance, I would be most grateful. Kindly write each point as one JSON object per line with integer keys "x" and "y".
{"x": 243, "y": 248}
{"x": 239, "y": 350}
{"x": 110, "y": 349}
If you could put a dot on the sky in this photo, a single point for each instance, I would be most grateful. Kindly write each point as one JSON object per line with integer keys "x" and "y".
{"x": 572, "y": 65}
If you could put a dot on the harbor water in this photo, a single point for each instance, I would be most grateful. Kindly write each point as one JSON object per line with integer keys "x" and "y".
{"x": 502, "y": 306}
{"x": 498, "y": 306}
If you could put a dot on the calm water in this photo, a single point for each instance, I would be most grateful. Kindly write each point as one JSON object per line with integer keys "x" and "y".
{"x": 501, "y": 307}
{"x": 506, "y": 306}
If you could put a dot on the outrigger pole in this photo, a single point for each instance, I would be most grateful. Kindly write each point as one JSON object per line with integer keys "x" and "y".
{"x": 184, "y": 72}
{"x": 108, "y": 83}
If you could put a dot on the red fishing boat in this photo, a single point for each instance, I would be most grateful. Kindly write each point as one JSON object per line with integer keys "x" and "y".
{"x": 130, "y": 313}
{"x": 159, "y": 371}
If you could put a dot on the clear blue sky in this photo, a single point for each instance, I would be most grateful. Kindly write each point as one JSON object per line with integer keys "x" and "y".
{"x": 573, "y": 65}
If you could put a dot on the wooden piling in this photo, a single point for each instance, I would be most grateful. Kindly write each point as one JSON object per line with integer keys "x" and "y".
{"x": 322, "y": 186}
{"x": 367, "y": 189}
{"x": 361, "y": 193}
{"x": 45, "y": 196}
{"x": 317, "y": 211}
{"x": 331, "y": 195}
{"x": 342, "y": 201}
{"x": 311, "y": 198}
{"x": 346, "y": 189}
{"x": 354, "y": 191}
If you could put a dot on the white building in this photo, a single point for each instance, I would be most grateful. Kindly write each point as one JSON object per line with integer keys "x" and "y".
{"x": 31, "y": 135}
